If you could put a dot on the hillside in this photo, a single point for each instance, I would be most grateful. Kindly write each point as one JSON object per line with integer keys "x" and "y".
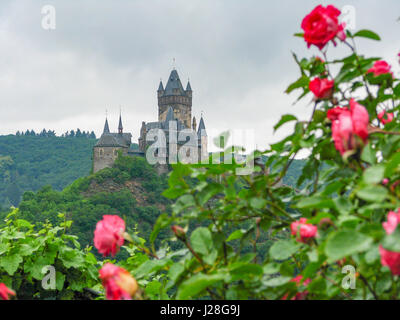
{"x": 30, "y": 161}
{"x": 131, "y": 189}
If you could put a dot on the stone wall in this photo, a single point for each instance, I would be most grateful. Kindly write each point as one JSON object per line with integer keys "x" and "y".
{"x": 104, "y": 157}
{"x": 181, "y": 105}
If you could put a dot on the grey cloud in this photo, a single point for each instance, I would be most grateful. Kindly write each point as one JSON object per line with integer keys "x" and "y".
{"x": 103, "y": 54}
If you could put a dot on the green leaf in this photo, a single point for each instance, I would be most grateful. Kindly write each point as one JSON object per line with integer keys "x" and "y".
{"x": 258, "y": 203}
{"x": 201, "y": 240}
{"x": 10, "y": 263}
{"x": 71, "y": 258}
{"x": 373, "y": 193}
{"x": 283, "y": 249}
{"x": 318, "y": 285}
{"x": 374, "y": 174}
{"x": 153, "y": 288}
{"x": 246, "y": 271}
{"x": 345, "y": 243}
{"x": 285, "y": 118}
{"x": 299, "y": 83}
{"x": 315, "y": 202}
{"x": 391, "y": 242}
{"x": 196, "y": 284}
{"x": 162, "y": 221}
{"x": 175, "y": 272}
{"x": 368, "y": 155}
{"x": 151, "y": 266}
{"x": 60, "y": 279}
{"x": 276, "y": 282}
{"x": 237, "y": 234}
{"x": 392, "y": 164}
{"x": 367, "y": 34}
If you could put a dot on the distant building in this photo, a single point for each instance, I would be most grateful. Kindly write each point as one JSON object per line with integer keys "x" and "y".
{"x": 174, "y": 120}
{"x": 106, "y": 149}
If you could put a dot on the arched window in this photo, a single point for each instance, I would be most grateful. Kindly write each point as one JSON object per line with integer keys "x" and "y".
{"x": 101, "y": 152}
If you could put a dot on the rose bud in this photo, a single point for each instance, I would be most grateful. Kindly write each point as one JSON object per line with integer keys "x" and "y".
{"x": 322, "y": 88}
{"x": 385, "y": 117}
{"x": 179, "y": 232}
{"x": 303, "y": 230}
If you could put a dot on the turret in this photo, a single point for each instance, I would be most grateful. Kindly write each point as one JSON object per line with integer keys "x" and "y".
{"x": 106, "y": 127}
{"x": 203, "y": 141}
{"x": 120, "y": 128}
{"x": 160, "y": 90}
{"x": 188, "y": 89}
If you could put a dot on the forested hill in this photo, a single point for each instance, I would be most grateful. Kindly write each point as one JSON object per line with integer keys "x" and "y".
{"x": 29, "y": 161}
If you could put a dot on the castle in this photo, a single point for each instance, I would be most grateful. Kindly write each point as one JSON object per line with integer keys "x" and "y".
{"x": 175, "y": 134}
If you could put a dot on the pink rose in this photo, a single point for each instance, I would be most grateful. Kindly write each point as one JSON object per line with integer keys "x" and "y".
{"x": 393, "y": 219}
{"x": 389, "y": 117}
{"x": 391, "y": 259}
{"x": 385, "y": 181}
{"x": 5, "y": 292}
{"x": 303, "y": 230}
{"x": 118, "y": 282}
{"x": 322, "y": 25}
{"x": 108, "y": 236}
{"x": 322, "y": 88}
{"x": 380, "y": 67}
{"x": 299, "y": 295}
{"x": 346, "y": 124}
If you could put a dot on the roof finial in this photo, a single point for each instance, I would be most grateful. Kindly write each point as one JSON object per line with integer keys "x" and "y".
{"x": 106, "y": 113}
{"x": 201, "y": 113}
{"x": 173, "y": 64}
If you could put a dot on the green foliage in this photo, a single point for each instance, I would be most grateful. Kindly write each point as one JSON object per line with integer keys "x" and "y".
{"x": 29, "y": 162}
{"x": 26, "y": 254}
{"x": 136, "y": 197}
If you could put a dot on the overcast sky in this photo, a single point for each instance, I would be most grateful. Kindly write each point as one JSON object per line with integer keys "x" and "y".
{"x": 108, "y": 53}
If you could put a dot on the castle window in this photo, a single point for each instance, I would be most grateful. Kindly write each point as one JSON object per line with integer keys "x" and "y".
{"x": 101, "y": 152}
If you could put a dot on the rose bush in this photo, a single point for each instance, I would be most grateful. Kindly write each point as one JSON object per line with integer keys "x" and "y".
{"x": 334, "y": 236}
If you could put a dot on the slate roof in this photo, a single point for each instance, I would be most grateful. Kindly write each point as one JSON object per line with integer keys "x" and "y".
{"x": 106, "y": 127}
{"x": 114, "y": 140}
{"x": 174, "y": 86}
{"x": 201, "y": 132}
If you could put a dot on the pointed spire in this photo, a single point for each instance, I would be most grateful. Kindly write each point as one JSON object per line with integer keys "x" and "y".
{"x": 106, "y": 127}
{"x": 160, "y": 87}
{"x": 174, "y": 86}
{"x": 201, "y": 132}
{"x": 120, "y": 127}
{"x": 188, "y": 87}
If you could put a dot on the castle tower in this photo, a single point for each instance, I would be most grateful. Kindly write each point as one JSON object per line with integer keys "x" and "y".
{"x": 203, "y": 140}
{"x": 176, "y": 97}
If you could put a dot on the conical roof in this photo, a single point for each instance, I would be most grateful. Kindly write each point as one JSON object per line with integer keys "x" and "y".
{"x": 174, "y": 86}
